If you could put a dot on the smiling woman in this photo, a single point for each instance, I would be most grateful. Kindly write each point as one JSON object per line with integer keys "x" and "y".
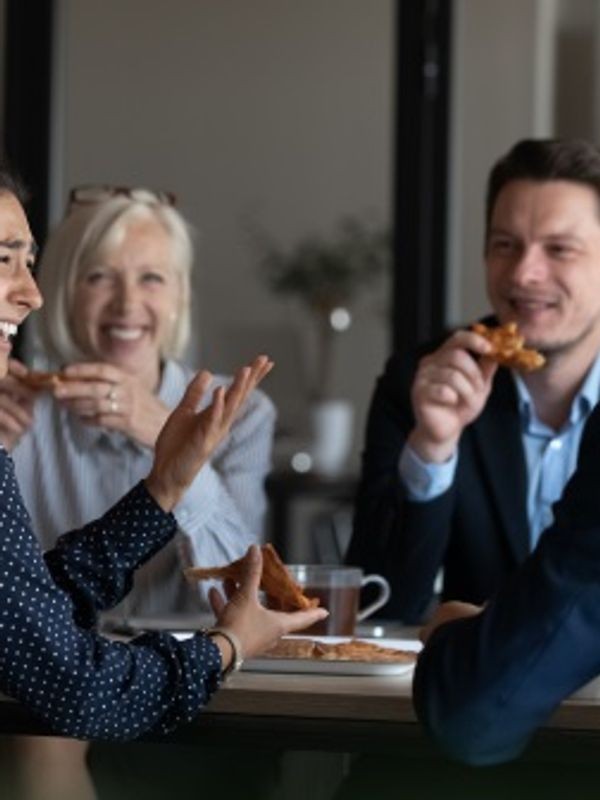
{"x": 18, "y": 292}
{"x": 127, "y": 300}
{"x": 51, "y": 657}
{"x": 115, "y": 276}
{"x": 114, "y": 269}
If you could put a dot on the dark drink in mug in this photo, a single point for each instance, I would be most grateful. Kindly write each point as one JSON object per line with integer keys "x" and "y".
{"x": 338, "y": 589}
{"x": 342, "y": 604}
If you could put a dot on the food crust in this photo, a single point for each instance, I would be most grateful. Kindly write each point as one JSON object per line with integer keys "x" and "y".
{"x": 351, "y": 650}
{"x": 283, "y": 593}
{"x": 508, "y": 347}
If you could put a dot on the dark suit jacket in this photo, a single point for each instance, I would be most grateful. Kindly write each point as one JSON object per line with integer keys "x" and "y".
{"x": 477, "y": 530}
{"x": 484, "y": 684}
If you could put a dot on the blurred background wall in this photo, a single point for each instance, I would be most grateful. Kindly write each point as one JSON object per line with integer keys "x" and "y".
{"x": 272, "y": 112}
{"x": 520, "y": 68}
{"x": 281, "y": 113}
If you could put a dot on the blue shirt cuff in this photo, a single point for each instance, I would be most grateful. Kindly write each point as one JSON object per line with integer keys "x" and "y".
{"x": 422, "y": 481}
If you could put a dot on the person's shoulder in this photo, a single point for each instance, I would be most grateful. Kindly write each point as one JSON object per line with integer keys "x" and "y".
{"x": 45, "y": 438}
{"x": 46, "y": 412}
{"x": 176, "y": 374}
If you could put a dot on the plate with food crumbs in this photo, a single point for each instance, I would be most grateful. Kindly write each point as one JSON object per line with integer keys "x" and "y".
{"x": 337, "y": 655}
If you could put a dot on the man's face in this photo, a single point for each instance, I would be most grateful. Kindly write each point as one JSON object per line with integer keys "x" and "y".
{"x": 18, "y": 292}
{"x": 543, "y": 263}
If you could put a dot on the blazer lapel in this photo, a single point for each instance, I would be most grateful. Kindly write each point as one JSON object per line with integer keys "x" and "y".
{"x": 498, "y": 438}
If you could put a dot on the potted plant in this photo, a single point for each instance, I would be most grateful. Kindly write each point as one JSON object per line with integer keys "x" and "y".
{"x": 326, "y": 275}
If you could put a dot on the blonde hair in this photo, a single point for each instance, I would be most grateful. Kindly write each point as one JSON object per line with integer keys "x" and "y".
{"x": 87, "y": 229}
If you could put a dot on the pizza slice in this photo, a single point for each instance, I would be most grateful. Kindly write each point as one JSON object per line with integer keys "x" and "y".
{"x": 359, "y": 650}
{"x": 290, "y": 648}
{"x": 283, "y": 593}
{"x": 41, "y": 381}
{"x": 350, "y": 650}
{"x": 508, "y": 347}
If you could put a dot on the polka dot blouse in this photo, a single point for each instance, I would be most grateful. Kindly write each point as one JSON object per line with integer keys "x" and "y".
{"x": 52, "y": 661}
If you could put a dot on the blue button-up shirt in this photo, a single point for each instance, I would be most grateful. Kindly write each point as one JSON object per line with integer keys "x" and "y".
{"x": 550, "y": 456}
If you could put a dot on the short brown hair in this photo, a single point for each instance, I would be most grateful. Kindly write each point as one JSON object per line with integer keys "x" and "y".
{"x": 576, "y": 160}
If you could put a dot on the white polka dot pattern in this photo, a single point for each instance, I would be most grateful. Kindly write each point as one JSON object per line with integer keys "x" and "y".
{"x": 80, "y": 683}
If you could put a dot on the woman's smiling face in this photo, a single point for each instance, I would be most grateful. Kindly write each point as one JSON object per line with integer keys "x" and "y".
{"x": 18, "y": 291}
{"x": 126, "y": 301}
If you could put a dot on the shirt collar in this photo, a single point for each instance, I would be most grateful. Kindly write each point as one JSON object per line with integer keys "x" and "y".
{"x": 583, "y": 402}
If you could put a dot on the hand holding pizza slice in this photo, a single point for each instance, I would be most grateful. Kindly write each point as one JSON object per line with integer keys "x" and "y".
{"x": 283, "y": 593}
{"x": 40, "y": 381}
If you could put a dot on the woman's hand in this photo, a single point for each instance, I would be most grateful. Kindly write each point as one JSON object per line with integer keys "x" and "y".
{"x": 106, "y": 396}
{"x": 189, "y": 437}
{"x": 16, "y": 405}
{"x": 255, "y": 626}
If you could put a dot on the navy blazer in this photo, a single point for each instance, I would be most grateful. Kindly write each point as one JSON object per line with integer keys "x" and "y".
{"x": 478, "y": 530}
{"x": 484, "y": 684}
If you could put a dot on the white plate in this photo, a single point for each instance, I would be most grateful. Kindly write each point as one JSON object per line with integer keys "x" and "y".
{"x": 170, "y": 623}
{"x": 315, "y": 665}
{"x": 590, "y": 691}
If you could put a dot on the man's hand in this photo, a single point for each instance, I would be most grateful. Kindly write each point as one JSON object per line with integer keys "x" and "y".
{"x": 449, "y": 391}
{"x": 255, "y": 626}
{"x": 189, "y": 437}
{"x": 446, "y": 613}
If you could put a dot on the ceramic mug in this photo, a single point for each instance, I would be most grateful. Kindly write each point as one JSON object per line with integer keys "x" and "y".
{"x": 338, "y": 589}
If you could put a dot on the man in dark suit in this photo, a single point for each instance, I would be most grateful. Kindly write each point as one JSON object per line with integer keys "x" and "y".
{"x": 484, "y": 683}
{"x": 463, "y": 460}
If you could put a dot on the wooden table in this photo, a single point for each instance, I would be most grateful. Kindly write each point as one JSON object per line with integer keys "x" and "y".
{"x": 354, "y": 713}
{"x": 324, "y": 712}
{"x": 332, "y": 716}
{"x": 373, "y": 718}
{"x": 349, "y": 713}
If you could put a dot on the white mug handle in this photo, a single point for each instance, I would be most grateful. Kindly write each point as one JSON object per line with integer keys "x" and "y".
{"x": 384, "y": 595}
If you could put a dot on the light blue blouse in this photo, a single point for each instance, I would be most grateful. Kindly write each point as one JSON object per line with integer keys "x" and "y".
{"x": 70, "y": 473}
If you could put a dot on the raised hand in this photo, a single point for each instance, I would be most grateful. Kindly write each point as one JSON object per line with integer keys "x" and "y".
{"x": 106, "y": 396}
{"x": 189, "y": 437}
{"x": 449, "y": 391}
{"x": 16, "y": 405}
{"x": 255, "y": 626}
